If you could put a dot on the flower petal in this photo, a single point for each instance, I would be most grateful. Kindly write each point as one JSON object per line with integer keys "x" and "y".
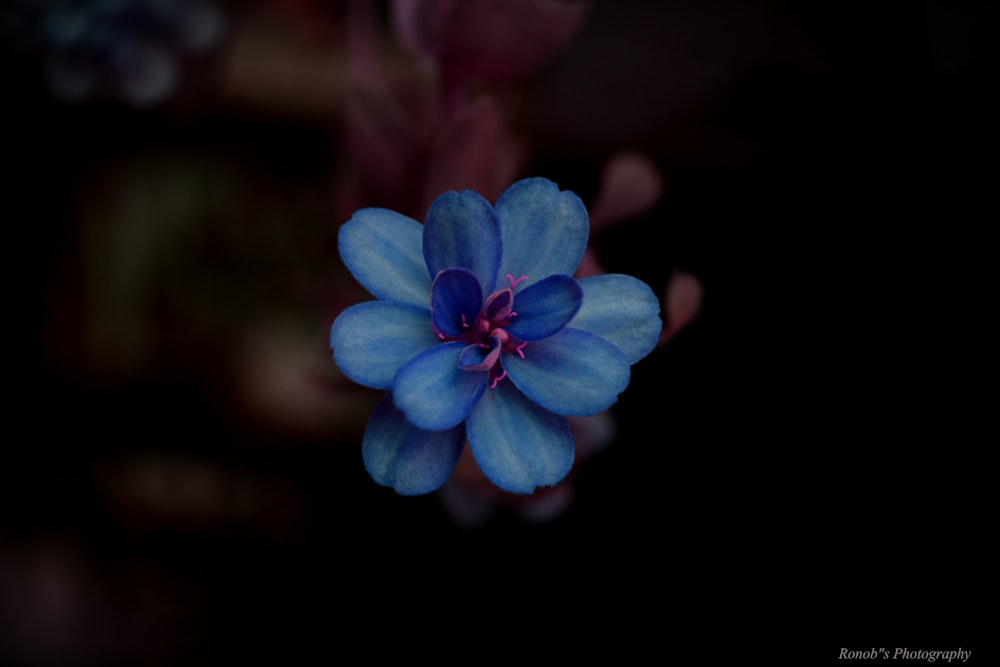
{"x": 622, "y": 310}
{"x": 570, "y": 373}
{"x": 456, "y": 297}
{"x": 545, "y": 230}
{"x": 479, "y": 358}
{"x": 545, "y": 307}
{"x": 517, "y": 444}
{"x": 433, "y": 392}
{"x": 408, "y": 459}
{"x": 382, "y": 249}
{"x": 372, "y": 340}
{"x": 461, "y": 230}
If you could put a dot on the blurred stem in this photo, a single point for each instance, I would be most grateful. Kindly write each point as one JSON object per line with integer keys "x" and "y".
{"x": 456, "y": 97}
{"x": 362, "y": 42}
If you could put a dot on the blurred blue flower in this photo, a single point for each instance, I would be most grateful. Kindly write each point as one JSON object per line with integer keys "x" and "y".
{"x": 481, "y": 334}
{"x": 136, "y": 48}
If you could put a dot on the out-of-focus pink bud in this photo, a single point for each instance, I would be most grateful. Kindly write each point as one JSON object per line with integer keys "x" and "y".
{"x": 631, "y": 184}
{"x": 682, "y": 303}
{"x": 488, "y": 39}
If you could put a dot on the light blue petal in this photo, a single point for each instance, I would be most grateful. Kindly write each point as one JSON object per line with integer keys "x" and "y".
{"x": 545, "y": 307}
{"x": 372, "y": 340}
{"x": 461, "y": 230}
{"x": 433, "y": 392}
{"x": 572, "y": 373}
{"x": 517, "y": 444}
{"x": 383, "y": 251}
{"x": 622, "y": 310}
{"x": 456, "y": 298}
{"x": 410, "y": 460}
{"x": 544, "y": 231}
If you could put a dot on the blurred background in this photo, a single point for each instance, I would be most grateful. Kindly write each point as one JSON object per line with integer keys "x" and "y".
{"x": 805, "y": 185}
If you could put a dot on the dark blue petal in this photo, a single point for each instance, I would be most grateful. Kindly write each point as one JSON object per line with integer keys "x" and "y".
{"x": 371, "y": 341}
{"x": 479, "y": 358}
{"x": 383, "y": 251}
{"x": 456, "y": 298}
{"x": 570, "y": 373}
{"x": 544, "y": 231}
{"x": 433, "y": 392}
{"x": 498, "y": 305}
{"x": 516, "y": 443}
{"x": 461, "y": 230}
{"x": 545, "y": 307}
{"x": 410, "y": 460}
{"x": 622, "y": 310}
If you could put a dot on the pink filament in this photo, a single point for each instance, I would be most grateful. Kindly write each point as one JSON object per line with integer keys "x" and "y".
{"x": 497, "y": 379}
{"x": 513, "y": 283}
{"x": 520, "y": 349}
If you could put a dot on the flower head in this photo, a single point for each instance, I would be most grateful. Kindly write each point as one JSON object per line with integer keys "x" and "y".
{"x": 481, "y": 334}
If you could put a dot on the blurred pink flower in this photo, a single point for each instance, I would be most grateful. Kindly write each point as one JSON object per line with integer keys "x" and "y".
{"x": 487, "y": 39}
{"x": 408, "y": 139}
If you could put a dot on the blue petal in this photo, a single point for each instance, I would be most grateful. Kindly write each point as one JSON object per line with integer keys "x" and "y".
{"x": 544, "y": 230}
{"x": 410, "y": 460}
{"x": 622, "y": 310}
{"x": 372, "y": 340}
{"x": 461, "y": 230}
{"x": 382, "y": 249}
{"x": 456, "y": 297}
{"x": 479, "y": 358}
{"x": 517, "y": 444}
{"x": 545, "y": 307}
{"x": 571, "y": 373}
{"x": 498, "y": 306}
{"x": 433, "y": 392}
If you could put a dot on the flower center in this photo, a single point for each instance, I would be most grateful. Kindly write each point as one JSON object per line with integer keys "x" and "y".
{"x": 488, "y": 333}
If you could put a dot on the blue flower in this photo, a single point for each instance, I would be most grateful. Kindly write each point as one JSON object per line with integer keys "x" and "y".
{"x": 481, "y": 334}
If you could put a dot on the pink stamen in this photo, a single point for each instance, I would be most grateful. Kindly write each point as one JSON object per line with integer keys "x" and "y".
{"x": 513, "y": 283}
{"x": 520, "y": 349}
{"x": 497, "y": 379}
{"x": 513, "y": 313}
{"x": 464, "y": 323}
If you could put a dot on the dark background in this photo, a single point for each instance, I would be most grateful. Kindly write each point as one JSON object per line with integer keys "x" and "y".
{"x": 802, "y": 468}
